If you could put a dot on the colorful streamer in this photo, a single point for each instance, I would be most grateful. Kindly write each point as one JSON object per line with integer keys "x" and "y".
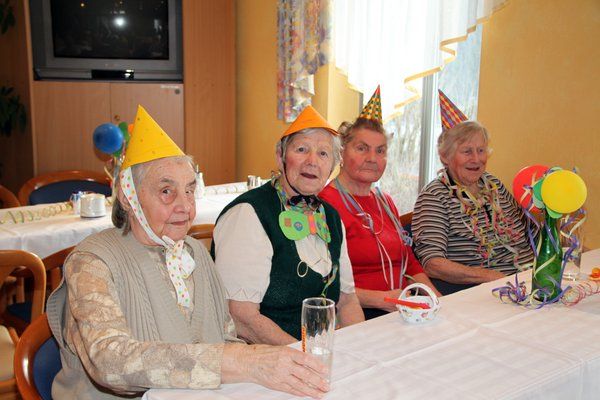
{"x": 575, "y": 294}
{"x": 23, "y": 216}
{"x": 567, "y": 229}
{"x": 517, "y": 294}
{"x": 504, "y": 230}
{"x": 49, "y": 211}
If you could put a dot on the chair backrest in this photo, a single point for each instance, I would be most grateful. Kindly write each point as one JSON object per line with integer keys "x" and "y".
{"x": 8, "y": 385}
{"x": 53, "y": 264}
{"x": 36, "y": 361}
{"x": 7, "y": 198}
{"x": 18, "y": 314}
{"x": 11, "y": 260}
{"x": 58, "y": 186}
{"x": 406, "y": 222}
{"x": 203, "y": 233}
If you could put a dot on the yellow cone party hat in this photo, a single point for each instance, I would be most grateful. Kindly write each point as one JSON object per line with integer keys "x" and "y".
{"x": 309, "y": 118}
{"x": 373, "y": 108}
{"x": 148, "y": 141}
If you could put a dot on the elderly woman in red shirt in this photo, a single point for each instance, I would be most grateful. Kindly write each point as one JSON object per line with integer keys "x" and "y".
{"x": 382, "y": 260}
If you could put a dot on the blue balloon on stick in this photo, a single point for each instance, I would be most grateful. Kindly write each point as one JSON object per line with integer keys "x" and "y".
{"x": 108, "y": 138}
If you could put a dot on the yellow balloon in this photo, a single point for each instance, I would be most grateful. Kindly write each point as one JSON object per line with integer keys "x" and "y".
{"x": 564, "y": 191}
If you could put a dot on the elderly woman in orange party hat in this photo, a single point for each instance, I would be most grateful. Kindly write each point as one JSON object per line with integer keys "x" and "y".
{"x": 382, "y": 260}
{"x": 141, "y": 305}
{"x": 467, "y": 227}
{"x": 279, "y": 244}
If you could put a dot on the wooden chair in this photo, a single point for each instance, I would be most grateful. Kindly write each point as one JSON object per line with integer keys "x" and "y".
{"x": 406, "y": 221}
{"x": 11, "y": 260}
{"x": 14, "y": 261}
{"x": 7, "y": 198}
{"x": 18, "y": 314}
{"x": 36, "y": 361}
{"x": 11, "y": 286}
{"x": 53, "y": 264}
{"x": 58, "y": 186}
{"x": 8, "y": 342}
{"x": 203, "y": 233}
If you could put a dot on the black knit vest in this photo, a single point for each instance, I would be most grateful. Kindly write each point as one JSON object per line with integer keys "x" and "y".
{"x": 282, "y": 302}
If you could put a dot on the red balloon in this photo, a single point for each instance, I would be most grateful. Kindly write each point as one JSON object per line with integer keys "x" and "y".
{"x": 527, "y": 176}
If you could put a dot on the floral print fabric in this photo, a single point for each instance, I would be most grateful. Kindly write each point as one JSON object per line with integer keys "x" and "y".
{"x": 304, "y": 41}
{"x": 99, "y": 334}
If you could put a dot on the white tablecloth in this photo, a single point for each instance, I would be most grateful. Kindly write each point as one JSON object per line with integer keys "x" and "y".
{"x": 477, "y": 348}
{"x": 49, "y": 235}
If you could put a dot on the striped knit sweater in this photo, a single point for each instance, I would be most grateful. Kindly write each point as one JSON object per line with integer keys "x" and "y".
{"x": 441, "y": 229}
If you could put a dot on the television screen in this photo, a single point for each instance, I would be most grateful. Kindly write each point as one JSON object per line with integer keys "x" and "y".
{"x": 111, "y": 29}
{"x": 107, "y": 39}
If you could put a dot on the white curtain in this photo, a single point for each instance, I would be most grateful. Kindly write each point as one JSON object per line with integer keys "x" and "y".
{"x": 395, "y": 43}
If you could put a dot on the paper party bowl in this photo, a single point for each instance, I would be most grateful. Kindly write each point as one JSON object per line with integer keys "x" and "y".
{"x": 419, "y": 315}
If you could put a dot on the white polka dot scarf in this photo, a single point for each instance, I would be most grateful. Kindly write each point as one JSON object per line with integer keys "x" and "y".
{"x": 179, "y": 262}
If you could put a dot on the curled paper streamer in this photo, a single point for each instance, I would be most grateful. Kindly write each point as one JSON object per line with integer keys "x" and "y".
{"x": 23, "y": 216}
{"x": 575, "y": 294}
{"x": 567, "y": 229}
{"x": 49, "y": 211}
{"x": 528, "y": 210}
{"x": 517, "y": 294}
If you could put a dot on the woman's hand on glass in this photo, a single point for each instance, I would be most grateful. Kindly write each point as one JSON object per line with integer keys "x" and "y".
{"x": 276, "y": 367}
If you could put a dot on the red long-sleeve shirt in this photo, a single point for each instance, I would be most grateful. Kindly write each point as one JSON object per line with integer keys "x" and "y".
{"x": 362, "y": 245}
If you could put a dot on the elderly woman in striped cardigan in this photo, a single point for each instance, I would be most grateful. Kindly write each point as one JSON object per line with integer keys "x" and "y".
{"x": 467, "y": 227}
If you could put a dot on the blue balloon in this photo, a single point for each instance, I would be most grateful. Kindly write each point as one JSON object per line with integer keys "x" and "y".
{"x": 108, "y": 138}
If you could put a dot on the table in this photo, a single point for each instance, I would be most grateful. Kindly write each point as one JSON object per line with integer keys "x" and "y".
{"x": 477, "y": 348}
{"x": 49, "y": 235}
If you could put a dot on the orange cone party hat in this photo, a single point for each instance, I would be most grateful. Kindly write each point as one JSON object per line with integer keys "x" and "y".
{"x": 373, "y": 108}
{"x": 451, "y": 115}
{"x": 148, "y": 141}
{"x": 308, "y": 118}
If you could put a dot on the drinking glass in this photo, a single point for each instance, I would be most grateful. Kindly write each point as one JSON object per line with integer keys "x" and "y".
{"x": 318, "y": 327}
{"x": 571, "y": 231}
{"x": 200, "y": 188}
{"x": 75, "y": 200}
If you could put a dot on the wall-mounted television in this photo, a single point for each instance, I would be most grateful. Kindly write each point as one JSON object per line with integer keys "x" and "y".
{"x": 112, "y": 40}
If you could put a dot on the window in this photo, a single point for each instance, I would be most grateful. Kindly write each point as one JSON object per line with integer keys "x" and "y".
{"x": 412, "y": 155}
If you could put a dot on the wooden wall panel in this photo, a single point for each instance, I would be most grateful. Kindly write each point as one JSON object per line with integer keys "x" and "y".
{"x": 209, "y": 79}
{"x": 66, "y": 115}
{"x": 16, "y": 151}
{"x": 164, "y": 102}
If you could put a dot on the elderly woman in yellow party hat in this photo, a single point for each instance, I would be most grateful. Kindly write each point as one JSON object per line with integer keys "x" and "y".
{"x": 279, "y": 244}
{"x": 141, "y": 305}
{"x": 382, "y": 259}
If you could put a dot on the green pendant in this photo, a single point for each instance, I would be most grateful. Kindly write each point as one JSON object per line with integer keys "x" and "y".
{"x": 294, "y": 224}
